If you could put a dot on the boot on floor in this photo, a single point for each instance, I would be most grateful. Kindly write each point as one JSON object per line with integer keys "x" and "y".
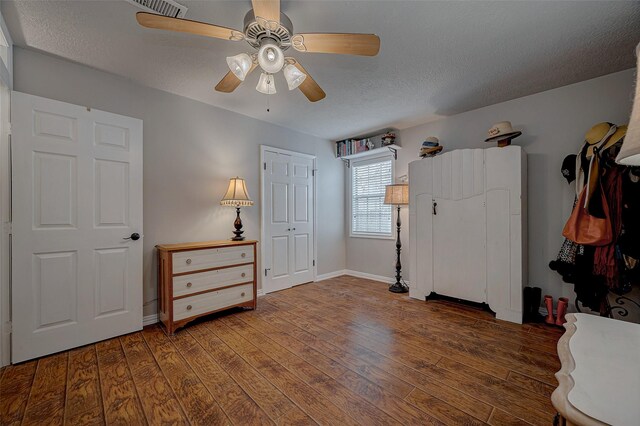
{"x": 548, "y": 302}
{"x": 563, "y": 302}
{"x": 536, "y": 298}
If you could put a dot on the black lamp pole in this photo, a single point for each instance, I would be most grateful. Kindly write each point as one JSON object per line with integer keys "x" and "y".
{"x": 238, "y": 225}
{"x": 398, "y": 286}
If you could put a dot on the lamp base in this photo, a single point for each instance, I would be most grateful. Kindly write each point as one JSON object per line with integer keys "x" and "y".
{"x": 398, "y": 288}
{"x": 238, "y": 225}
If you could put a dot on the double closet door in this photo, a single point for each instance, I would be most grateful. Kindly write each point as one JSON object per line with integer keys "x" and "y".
{"x": 287, "y": 219}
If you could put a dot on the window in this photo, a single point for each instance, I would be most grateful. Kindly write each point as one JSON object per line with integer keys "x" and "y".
{"x": 369, "y": 215}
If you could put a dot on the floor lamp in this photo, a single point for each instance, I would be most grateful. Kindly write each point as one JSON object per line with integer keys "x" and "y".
{"x": 397, "y": 195}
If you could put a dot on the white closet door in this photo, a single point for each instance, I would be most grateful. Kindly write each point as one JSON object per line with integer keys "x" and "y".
{"x": 302, "y": 219}
{"x": 76, "y": 196}
{"x": 288, "y": 220}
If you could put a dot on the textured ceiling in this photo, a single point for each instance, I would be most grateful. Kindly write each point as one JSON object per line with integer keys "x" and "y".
{"x": 436, "y": 58}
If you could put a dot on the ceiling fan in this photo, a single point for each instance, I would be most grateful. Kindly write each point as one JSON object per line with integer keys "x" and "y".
{"x": 270, "y": 32}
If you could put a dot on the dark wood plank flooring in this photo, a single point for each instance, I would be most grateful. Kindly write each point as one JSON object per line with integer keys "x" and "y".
{"x": 343, "y": 351}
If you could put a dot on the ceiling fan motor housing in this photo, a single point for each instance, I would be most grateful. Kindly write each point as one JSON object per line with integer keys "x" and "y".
{"x": 257, "y": 29}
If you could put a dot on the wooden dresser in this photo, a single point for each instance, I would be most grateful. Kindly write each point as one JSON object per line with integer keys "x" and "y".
{"x": 196, "y": 279}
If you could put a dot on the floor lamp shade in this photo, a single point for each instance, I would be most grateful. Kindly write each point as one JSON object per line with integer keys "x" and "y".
{"x": 629, "y": 154}
{"x": 237, "y": 194}
{"x": 397, "y": 194}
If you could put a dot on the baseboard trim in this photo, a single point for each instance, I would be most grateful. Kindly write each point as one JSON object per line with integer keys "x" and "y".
{"x": 373, "y": 277}
{"x": 149, "y": 320}
{"x": 330, "y": 275}
{"x": 260, "y": 292}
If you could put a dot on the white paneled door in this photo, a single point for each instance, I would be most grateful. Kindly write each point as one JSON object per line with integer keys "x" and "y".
{"x": 77, "y": 222}
{"x": 288, "y": 219}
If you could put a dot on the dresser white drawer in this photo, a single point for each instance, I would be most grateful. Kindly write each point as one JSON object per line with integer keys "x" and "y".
{"x": 215, "y": 300}
{"x": 201, "y": 281}
{"x": 186, "y": 261}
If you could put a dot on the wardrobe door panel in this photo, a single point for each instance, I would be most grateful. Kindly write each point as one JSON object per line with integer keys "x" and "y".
{"x": 459, "y": 248}
{"x": 424, "y": 246}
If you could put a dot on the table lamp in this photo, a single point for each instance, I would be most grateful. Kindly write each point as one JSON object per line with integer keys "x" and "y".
{"x": 397, "y": 195}
{"x": 237, "y": 196}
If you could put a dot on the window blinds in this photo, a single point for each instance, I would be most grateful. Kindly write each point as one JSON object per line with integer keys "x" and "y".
{"x": 369, "y": 213}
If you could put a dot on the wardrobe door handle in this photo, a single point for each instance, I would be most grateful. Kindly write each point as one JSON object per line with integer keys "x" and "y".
{"x": 242, "y": 294}
{"x": 243, "y": 255}
{"x": 188, "y": 261}
{"x": 243, "y": 275}
{"x": 189, "y": 307}
{"x": 189, "y": 285}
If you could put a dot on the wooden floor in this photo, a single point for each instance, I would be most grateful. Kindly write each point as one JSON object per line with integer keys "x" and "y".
{"x": 343, "y": 351}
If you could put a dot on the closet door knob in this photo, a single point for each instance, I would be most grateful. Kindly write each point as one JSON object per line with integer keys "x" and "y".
{"x": 189, "y": 285}
{"x": 188, "y": 261}
{"x": 189, "y": 307}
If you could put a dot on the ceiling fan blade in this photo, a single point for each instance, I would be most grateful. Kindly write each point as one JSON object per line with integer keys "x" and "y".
{"x": 230, "y": 82}
{"x": 309, "y": 87}
{"x": 267, "y": 9}
{"x": 346, "y": 44}
{"x": 160, "y": 22}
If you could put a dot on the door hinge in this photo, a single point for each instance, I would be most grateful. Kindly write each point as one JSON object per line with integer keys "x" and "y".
{"x": 314, "y": 262}
{"x": 9, "y": 327}
{"x": 8, "y": 229}
{"x": 9, "y": 128}
{"x": 265, "y": 271}
{"x": 313, "y": 172}
{"x": 264, "y": 166}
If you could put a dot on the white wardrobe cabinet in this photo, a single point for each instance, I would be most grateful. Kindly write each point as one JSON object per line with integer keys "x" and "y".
{"x": 467, "y": 225}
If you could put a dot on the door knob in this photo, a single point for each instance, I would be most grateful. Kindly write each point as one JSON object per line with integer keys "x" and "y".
{"x": 135, "y": 237}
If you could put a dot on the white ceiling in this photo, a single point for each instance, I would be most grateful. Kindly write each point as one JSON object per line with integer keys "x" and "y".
{"x": 436, "y": 58}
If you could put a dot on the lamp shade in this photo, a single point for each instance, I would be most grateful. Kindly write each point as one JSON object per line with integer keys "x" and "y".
{"x": 237, "y": 194}
{"x": 629, "y": 154}
{"x": 294, "y": 76}
{"x": 266, "y": 84}
{"x": 270, "y": 57}
{"x": 239, "y": 65}
{"x": 397, "y": 194}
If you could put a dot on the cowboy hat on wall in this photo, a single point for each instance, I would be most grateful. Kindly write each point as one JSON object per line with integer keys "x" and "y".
{"x": 503, "y": 133}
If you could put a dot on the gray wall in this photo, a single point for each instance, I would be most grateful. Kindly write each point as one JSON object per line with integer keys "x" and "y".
{"x": 190, "y": 151}
{"x": 553, "y": 124}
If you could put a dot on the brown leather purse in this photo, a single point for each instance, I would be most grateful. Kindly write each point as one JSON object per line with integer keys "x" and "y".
{"x": 583, "y": 228}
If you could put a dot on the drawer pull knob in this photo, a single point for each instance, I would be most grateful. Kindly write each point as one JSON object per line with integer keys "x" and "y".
{"x": 189, "y": 307}
{"x": 243, "y": 275}
{"x": 188, "y": 261}
{"x": 243, "y": 255}
{"x": 189, "y": 285}
{"x": 242, "y": 294}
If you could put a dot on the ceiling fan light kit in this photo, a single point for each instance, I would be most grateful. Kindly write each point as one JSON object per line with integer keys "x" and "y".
{"x": 240, "y": 65}
{"x": 270, "y": 57}
{"x": 266, "y": 84}
{"x": 271, "y": 32}
{"x": 294, "y": 76}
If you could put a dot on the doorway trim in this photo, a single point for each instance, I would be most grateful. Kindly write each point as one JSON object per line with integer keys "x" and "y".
{"x": 312, "y": 157}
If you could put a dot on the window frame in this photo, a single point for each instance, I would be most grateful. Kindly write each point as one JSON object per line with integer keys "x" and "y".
{"x": 361, "y": 162}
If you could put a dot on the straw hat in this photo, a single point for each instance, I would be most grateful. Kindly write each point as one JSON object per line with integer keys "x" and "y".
{"x": 501, "y": 131}
{"x": 598, "y": 132}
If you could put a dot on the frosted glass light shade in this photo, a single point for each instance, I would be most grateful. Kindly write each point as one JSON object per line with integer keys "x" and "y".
{"x": 397, "y": 194}
{"x": 266, "y": 84}
{"x": 294, "y": 76}
{"x": 629, "y": 154}
{"x": 239, "y": 65}
{"x": 270, "y": 57}
{"x": 237, "y": 194}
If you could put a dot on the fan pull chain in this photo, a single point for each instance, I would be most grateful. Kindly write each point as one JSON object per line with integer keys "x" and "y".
{"x": 268, "y": 109}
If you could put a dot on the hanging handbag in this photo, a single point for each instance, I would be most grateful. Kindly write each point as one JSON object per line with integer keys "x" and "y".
{"x": 583, "y": 228}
